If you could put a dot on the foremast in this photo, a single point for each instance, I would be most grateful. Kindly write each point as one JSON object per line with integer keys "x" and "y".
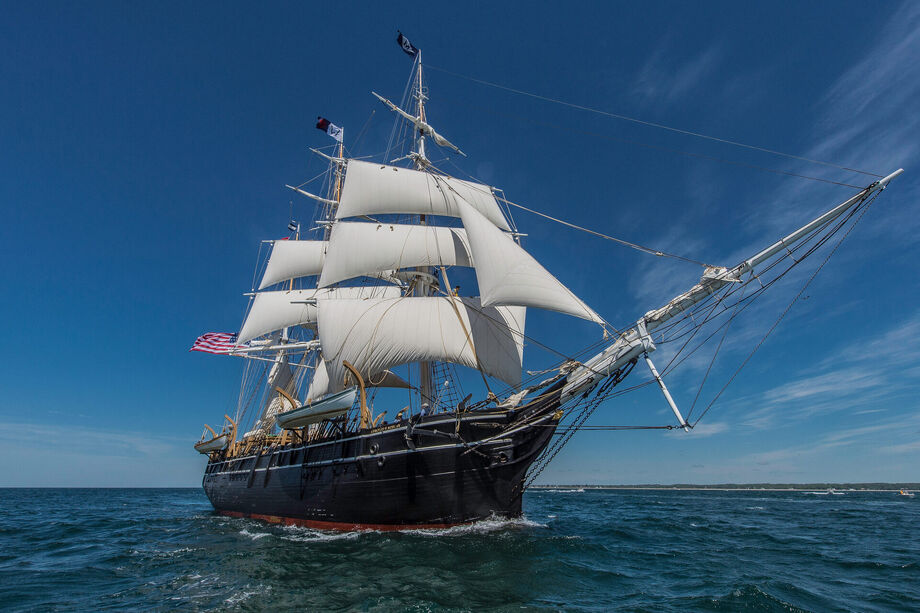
{"x": 282, "y": 389}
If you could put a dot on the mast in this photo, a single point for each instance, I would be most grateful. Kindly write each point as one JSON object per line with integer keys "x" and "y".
{"x": 422, "y": 285}
{"x": 421, "y": 161}
{"x": 338, "y": 188}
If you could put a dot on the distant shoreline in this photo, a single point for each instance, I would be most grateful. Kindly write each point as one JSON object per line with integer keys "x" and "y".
{"x": 760, "y": 487}
{"x": 691, "y": 487}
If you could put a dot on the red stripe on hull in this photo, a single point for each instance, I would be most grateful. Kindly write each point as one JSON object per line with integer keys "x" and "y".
{"x": 332, "y": 525}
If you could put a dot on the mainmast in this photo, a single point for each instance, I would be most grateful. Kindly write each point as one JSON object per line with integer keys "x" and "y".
{"x": 420, "y": 161}
{"x": 422, "y": 284}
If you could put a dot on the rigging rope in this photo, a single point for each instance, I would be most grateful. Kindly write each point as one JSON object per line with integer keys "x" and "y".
{"x": 865, "y": 208}
{"x": 625, "y": 243}
{"x": 748, "y": 300}
{"x": 620, "y": 241}
{"x": 714, "y": 356}
{"x": 587, "y": 410}
{"x": 648, "y": 123}
{"x": 630, "y": 141}
{"x": 606, "y": 390}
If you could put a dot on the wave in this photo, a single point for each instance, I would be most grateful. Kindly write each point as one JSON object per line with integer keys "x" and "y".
{"x": 254, "y": 535}
{"x": 301, "y": 534}
{"x": 246, "y": 593}
{"x": 483, "y": 526}
{"x": 747, "y": 597}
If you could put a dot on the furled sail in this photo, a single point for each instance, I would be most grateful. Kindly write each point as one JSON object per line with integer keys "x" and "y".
{"x": 276, "y": 310}
{"x": 321, "y": 385}
{"x": 508, "y": 275}
{"x": 373, "y": 189}
{"x": 357, "y": 249}
{"x": 380, "y": 333}
{"x": 293, "y": 259}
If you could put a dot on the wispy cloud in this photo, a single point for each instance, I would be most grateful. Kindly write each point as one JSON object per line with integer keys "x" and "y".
{"x": 100, "y": 441}
{"x": 892, "y": 429}
{"x": 899, "y": 345}
{"x": 93, "y": 457}
{"x": 839, "y": 382}
{"x": 862, "y": 372}
{"x": 869, "y": 411}
{"x": 665, "y": 78}
{"x": 902, "y": 448}
{"x": 883, "y": 85}
{"x": 657, "y": 280}
{"x": 866, "y": 119}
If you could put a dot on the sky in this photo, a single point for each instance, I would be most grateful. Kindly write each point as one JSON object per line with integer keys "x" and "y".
{"x": 145, "y": 148}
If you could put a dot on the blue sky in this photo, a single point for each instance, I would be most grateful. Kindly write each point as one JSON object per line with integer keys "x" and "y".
{"x": 145, "y": 149}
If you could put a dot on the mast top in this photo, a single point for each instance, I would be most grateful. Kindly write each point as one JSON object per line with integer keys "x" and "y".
{"x": 422, "y": 126}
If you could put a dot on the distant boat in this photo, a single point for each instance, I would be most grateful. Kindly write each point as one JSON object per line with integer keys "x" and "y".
{"x": 905, "y": 493}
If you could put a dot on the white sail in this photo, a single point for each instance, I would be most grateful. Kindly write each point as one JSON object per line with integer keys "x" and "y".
{"x": 293, "y": 259}
{"x": 357, "y": 249}
{"x": 380, "y": 333}
{"x": 276, "y": 310}
{"x": 508, "y": 275}
{"x": 321, "y": 385}
{"x": 373, "y": 189}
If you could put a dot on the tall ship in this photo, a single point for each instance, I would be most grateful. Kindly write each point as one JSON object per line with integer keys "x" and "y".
{"x": 378, "y": 394}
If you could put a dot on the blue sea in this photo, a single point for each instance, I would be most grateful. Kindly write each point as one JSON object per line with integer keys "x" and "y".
{"x": 593, "y": 550}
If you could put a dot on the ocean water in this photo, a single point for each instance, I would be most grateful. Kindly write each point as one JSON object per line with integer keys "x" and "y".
{"x": 164, "y": 549}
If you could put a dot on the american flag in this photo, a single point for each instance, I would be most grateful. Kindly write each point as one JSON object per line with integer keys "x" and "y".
{"x": 216, "y": 342}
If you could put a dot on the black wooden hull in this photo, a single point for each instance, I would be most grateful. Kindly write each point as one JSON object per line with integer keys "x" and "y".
{"x": 433, "y": 472}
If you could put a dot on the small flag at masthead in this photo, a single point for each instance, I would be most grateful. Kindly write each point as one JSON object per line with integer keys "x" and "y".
{"x": 293, "y": 226}
{"x": 330, "y": 128}
{"x": 408, "y": 47}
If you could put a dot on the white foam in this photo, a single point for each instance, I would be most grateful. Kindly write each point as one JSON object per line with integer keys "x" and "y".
{"x": 162, "y": 554}
{"x": 307, "y": 535}
{"x": 254, "y": 535}
{"x": 483, "y": 526}
{"x": 244, "y": 595}
{"x": 301, "y": 534}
